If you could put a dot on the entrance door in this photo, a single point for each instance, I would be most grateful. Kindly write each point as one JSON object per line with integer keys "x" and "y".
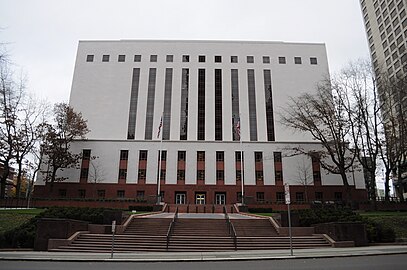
{"x": 220, "y": 198}
{"x": 200, "y": 198}
{"x": 180, "y": 198}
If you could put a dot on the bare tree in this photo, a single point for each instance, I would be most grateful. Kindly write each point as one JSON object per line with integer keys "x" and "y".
{"x": 305, "y": 176}
{"x": 97, "y": 172}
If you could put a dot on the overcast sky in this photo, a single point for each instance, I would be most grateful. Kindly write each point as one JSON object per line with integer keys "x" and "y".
{"x": 43, "y": 35}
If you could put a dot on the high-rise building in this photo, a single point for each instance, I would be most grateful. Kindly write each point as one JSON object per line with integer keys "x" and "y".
{"x": 201, "y": 116}
{"x": 386, "y": 29}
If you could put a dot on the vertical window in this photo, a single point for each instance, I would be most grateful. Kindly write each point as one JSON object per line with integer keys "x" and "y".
{"x": 201, "y": 156}
{"x": 277, "y": 157}
{"x": 140, "y": 194}
{"x": 201, "y": 104}
{"x": 181, "y": 175}
{"x": 185, "y": 58}
{"x": 313, "y": 61}
{"x": 220, "y": 156}
{"x": 220, "y": 175}
{"x": 182, "y": 155}
{"x": 84, "y": 173}
{"x": 269, "y": 105}
{"x": 233, "y": 59}
{"x": 184, "y": 104}
{"x": 163, "y": 155}
{"x": 150, "y": 104}
{"x": 238, "y": 156}
{"x": 299, "y": 197}
{"x": 201, "y": 59}
{"x": 297, "y": 60}
{"x": 169, "y": 58}
{"x": 280, "y": 196}
{"x": 266, "y": 59}
{"x": 101, "y": 193}
{"x": 153, "y": 58}
{"x": 218, "y": 105}
{"x": 120, "y": 193}
{"x": 259, "y": 175}
{"x": 124, "y": 154}
{"x": 200, "y": 175}
{"x": 258, "y": 156}
{"x": 86, "y": 154}
{"x": 338, "y": 196}
{"x": 235, "y": 105}
{"x": 143, "y": 155}
{"x": 167, "y": 104}
{"x": 319, "y": 196}
{"x": 252, "y": 105}
{"x": 121, "y": 58}
{"x": 278, "y": 167}
{"x": 122, "y": 174}
{"x": 250, "y": 59}
{"x": 260, "y": 197}
{"x": 141, "y": 174}
{"x": 89, "y": 58}
{"x": 62, "y": 193}
{"x": 131, "y": 130}
{"x": 105, "y": 58}
{"x": 218, "y": 59}
{"x": 281, "y": 60}
{"x": 137, "y": 58}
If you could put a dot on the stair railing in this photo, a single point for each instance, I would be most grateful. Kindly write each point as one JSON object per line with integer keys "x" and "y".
{"x": 171, "y": 227}
{"x": 231, "y": 228}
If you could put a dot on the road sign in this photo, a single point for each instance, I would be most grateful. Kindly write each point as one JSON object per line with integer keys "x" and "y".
{"x": 113, "y": 226}
{"x": 287, "y": 194}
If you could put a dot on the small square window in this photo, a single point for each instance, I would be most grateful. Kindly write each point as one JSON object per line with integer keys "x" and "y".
{"x": 89, "y": 58}
{"x": 62, "y": 193}
{"x": 182, "y": 155}
{"x": 120, "y": 193}
{"x": 82, "y": 193}
{"x": 220, "y": 156}
{"x": 218, "y": 59}
{"x": 121, "y": 58}
{"x": 105, "y": 58}
{"x": 153, "y": 58}
{"x": 260, "y": 196}
{"x": 124, "y": 154}
{"x": 281, "y": 60}
{"x": 185, "y": 58}
{"x": 169, "y": 58}
{"x": 313, "y": 61}
{"x": 233, "y": 59}
{"x": 101, "y": 193}
{"x": 266, "y": 59}
{"x": 297, "y": 60}
{"x": 137, "y": 58}
{"x": 201, "y": 59}
{"x": 250, "y": 59}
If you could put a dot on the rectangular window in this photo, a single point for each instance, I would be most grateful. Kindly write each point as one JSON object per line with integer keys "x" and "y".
{"x": 220, "y": 175}
{"x": 238, "y": 156}
{"x": 280, "y": 196}
{"x": 124, "y": 154}
{"x": 266, "y": 59}
{"x": 200, "y": 174}
{"x": 89, "y": 58}
{"x": 86, "y": 154}
{"x": 281, "y": 60}
{"x": 338, "y": 196}
{"x": 143, "y": 155}
{"x": 201, "y": 104}
{"x": 137, "y": 58}
{"x": 101, "y": 193}
{"x": 252, "y": 104}
{"x": 317, "y": 176}
{"x": 121, "y": 58}
{"x": 250, "y": 59}
{"x": 277, "y": 156}
{"x": 238, "y": 175}
{"x": 201, "y": 59}
{"x": 120, "y": 193}
{"x": 141, "y": 174}
{"x": 122, "y": 174}
{"x": 133, "y": 103}
{"x": 153, "y": 58}
{"x": 279, "y": 176}
{"x": 258, "y": 156}
{"x": 181, "y": 175}
{"x": 166, "y": 125}
{"x": 259, "y": 175}
{"x": 140, "y": 194}
{"x": 218, "y": 105}
{"x": 185, "y": 58}
{"x": 299, "y": 197}
{"x": 62, "y": 193}
{"x": 269, "y": 105}
{"x": 148, "y": 132}
{"x": 220, "y": 156}
{"x": 201, "y": 156}
{"x": 218, "y": 59}
{"x": 82, "y": 193}
{"x": 313, "y": 61}
{"x": 184, "y": 104}
{"x": 260, "y": 197}
{"x": 297, "y": 60}
{"x": 319, "y": 196}
{"x": 233, "y": 59}
{"x": 182, "y": 155}
{"x": 169, "y": 58}
{"x": 105, "y": 58}
{"x": 84, "y": 173}
{"x": 235, "y": 105}
{"x": 239, "y": 196}
{"x": 163, "y": 155}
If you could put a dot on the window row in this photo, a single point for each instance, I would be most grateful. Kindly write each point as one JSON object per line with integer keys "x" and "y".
{"x": 202, "y": 59}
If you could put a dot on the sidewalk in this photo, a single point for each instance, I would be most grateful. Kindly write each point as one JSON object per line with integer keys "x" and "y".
{"x": 204, "y": 256}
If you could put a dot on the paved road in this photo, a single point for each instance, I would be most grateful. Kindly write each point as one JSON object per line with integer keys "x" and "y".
{"x": 379, "y": 262}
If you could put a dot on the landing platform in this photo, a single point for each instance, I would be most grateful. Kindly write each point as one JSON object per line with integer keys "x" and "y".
{"x": 201, "y": 216}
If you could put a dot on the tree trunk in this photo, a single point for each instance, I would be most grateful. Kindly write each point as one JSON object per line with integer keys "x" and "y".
{"x": 400, "y": 189}
{"x": 347, "y": 188}
{"x": 373, "y": 192}
{"x": 6, "y": 171}
{"x": 387, "y": 186}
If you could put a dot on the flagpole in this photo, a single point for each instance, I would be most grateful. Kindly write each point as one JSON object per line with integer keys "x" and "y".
{"x": 159, "y": 161}
{"x": 241, "y": 162}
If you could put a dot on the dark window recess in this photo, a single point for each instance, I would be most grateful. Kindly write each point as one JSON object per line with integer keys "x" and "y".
{"x": 260, "y": 196}
{"x": 82, "y": 193}
{"x": 338, "y": 196}
{"x": 163, "y": 155}
{"x": 317, "y": 176}
{"x": 153, "y": 58}
{"x": 269, "y": 105}
{"x": 299, "y": 197}
{"x": 201, "y": 156}
{"x": 201, "y": 58}
{"x": 62, "y": 193}
{"x": 182, "y": 155}
{"x": 169, "y": 58}
{"x": 184, "y": 104}
{"x": 122, "y": 173}
{"x": 200, "y": 174}
{"x": 297, "y": 60}
{"x": 277, "y": 156}
{"x": 181, "y": 175}
{"x": 218, "y": 105}
{"x": 280, "y": 196}
{"x": 238, "y": 156}
{"x": 84, "y": 173}
{"x": 140, "y": 194}
{"x": 163, "y": 173}
{"x": 201, "y": 104}
{"x": 121, "y": 58}
{"x": 319, "y": 196}
{"x": 105, "y": 58}
{"x": 258, "y": 156}
{"x": 141, "y": 174}
{"x": 313, "y": 61}
{"x": 220, "y": 175}
{"x": 220, "y": 156}
{"x": 137, "y": 58}
{"x": 266, "y": 59}
{"x": 86, "y": 154}
{"x": 133, "y": 104}
{"x": 101, "y": 193}
{"x": 124, "y": 154}
{"x": 279, "y": 176}
{"x": 281, "y": 60}
{"x": 120, "y": 193}
{"x": 185, "y": 58}
{"x": 218, "y": 59}
{"x": 259, "y": 175}
{"x": 143, "y": 155}
{"x": 238, "y": 175}
{"x": 89, "y": 58}
{"x": 233, "y": 59}
{"x": 250, "y": 59}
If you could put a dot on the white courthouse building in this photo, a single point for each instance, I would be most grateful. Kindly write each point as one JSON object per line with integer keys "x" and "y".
{"x": 201, "y": 103}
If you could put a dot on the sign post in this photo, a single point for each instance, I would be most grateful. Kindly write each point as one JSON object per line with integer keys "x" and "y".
{"x": 288, "y": 202}
{"x": 113, "y": 231}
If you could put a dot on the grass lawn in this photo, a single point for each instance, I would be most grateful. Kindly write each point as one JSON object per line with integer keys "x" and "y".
{"x": 12, "y": 218}
{"x": 396, "y": 220}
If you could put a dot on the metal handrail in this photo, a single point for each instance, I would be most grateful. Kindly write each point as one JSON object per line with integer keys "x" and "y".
{"x": 231, "y": 228}
{"x": 171, "y": 227}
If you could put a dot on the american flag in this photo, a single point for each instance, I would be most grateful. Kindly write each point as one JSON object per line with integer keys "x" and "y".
{"x": 237, "y": 128}
{"x": 159, "y": 128}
